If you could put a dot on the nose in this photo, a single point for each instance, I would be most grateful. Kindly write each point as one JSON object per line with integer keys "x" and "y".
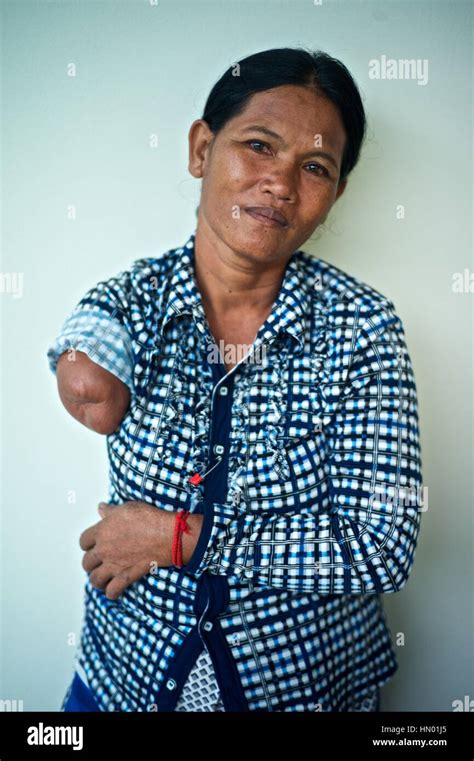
{"x": 281, "y": 183}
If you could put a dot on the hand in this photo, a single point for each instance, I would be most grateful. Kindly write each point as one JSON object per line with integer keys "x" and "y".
{"x": 131, "y": 540}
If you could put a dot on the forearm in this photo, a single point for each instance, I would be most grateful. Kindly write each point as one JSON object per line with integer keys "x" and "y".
{"x": 325, "y": 552}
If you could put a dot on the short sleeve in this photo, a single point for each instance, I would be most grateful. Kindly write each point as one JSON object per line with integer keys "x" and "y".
{"x": 100, "y": 326}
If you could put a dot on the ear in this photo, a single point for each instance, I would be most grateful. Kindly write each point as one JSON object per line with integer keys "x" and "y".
{"x": 199, "y": 139}
{"x": 340, "y": 189}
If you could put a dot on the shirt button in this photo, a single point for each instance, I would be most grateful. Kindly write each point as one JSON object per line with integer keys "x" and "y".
{"x": 171, "y": 684}
{"x": 218, "y": 449}
{"x": 208, "y": 626}
{"x": 223, "y": 390}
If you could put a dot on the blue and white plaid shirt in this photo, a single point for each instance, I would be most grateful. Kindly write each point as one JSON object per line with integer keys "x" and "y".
{"x": 311, "y": 503}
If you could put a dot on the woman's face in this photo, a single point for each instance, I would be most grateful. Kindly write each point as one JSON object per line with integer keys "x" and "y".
{"x": 295, "y": 170}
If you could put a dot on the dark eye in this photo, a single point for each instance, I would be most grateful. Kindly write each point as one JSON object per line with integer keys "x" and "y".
{"x": 319, "y": 166}
{"x": 256, "y": 142}
{"x": 323, "y": 169}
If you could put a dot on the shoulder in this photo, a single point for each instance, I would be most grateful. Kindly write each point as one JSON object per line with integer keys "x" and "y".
{"x": 153, "y": 271}
{"x": 338, "y": 290}
{"x": 142, "y": 284}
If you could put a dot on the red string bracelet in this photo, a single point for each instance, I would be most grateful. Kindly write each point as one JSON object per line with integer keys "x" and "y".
{"x": 180, "y": 527}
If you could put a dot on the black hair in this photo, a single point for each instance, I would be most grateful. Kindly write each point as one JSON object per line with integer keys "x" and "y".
{"x": 291, "y": 66}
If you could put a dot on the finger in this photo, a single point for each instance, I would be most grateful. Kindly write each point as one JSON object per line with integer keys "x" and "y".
{"x": 101, "y": 576}
{"x": 88, "y": 537}
{"x": 104, "y": 509}
{"x": 120, "y": 582}
{"x": 91, "y": 560}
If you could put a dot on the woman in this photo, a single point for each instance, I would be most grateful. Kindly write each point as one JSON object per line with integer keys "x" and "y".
{"x": 264, "y": 401}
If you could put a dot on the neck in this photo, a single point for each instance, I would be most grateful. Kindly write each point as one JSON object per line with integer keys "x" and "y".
{"x": 229, "y": 281}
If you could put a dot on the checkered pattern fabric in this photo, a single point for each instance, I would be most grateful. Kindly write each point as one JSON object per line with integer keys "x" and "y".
{"x": 311, "y": 514}
{"x": 201, "y": 690}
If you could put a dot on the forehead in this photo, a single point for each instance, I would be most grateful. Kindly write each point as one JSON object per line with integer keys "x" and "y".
{"x": 295, "y": 113}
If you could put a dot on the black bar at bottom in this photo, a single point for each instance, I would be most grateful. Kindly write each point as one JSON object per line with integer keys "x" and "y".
{"x": 377, "y": 735}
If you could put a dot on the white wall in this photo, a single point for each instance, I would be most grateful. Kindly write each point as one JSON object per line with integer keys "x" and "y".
{"x": 144, "y": 69}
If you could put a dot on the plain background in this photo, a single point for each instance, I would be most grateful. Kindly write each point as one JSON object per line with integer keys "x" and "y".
{"x": 84, "y": 141}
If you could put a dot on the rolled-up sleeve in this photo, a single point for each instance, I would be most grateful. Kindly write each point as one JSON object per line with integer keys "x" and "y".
{"x": 365, "y": 539}
{"x": 100, "y": 326}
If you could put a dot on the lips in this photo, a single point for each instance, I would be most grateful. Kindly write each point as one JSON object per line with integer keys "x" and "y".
{"x": 269, "y": 213}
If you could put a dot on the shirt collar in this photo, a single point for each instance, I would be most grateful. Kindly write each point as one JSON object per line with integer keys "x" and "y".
{"x": 288, "y": 311}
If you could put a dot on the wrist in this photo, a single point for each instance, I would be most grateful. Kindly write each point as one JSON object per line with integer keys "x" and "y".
{"x": 190, "y": 539}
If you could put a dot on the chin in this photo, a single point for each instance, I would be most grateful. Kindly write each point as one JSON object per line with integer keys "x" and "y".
{"x": 258, "y": 252}
{"x": 257, "y": 245}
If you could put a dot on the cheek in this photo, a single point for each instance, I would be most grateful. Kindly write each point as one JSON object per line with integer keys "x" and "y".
{"x": 230, "y": 182}
{"x": 316, "y": 198}
{"x": 237, "y": 169}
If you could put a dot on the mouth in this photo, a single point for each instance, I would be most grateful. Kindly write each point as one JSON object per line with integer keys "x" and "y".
{"x": 267, "y": 215}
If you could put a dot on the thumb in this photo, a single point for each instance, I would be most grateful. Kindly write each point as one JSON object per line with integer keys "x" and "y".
{"x": 104, "y": 508}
